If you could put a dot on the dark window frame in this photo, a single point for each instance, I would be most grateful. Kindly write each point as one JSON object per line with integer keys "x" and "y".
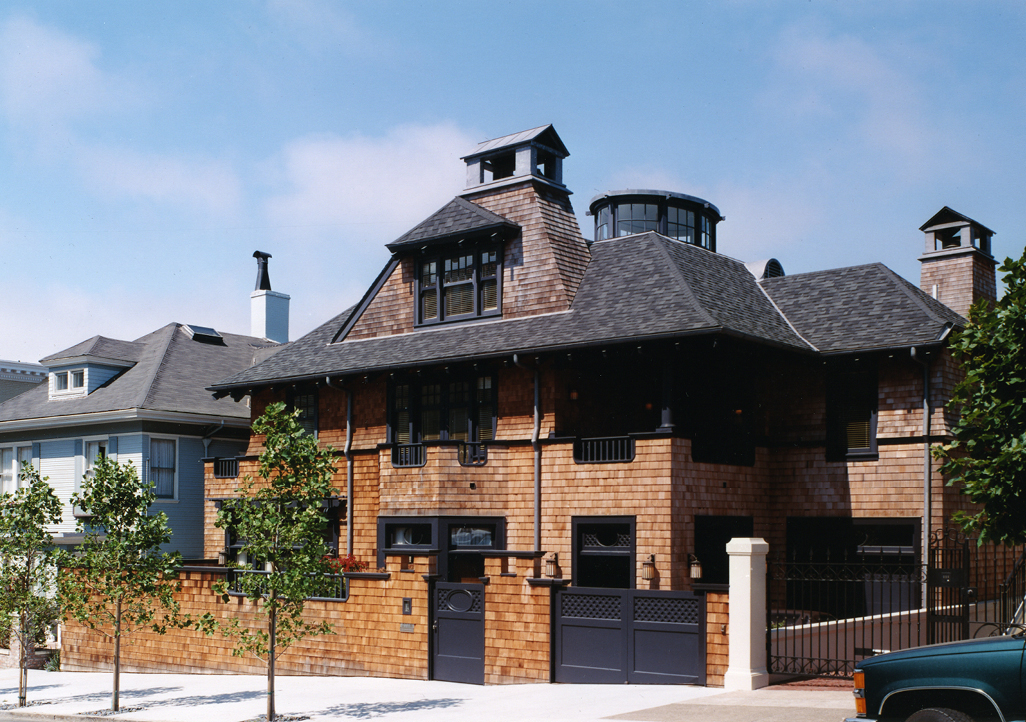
{"x": 410, "y": 391}
{"x": 307, "y": 400}
{"x": 480, "y": 275}
{"x": 853, "y": 397}
{"x": 579, "y": 526}
{"x": 608, "y": 220}
{"x": 439, "y": 542}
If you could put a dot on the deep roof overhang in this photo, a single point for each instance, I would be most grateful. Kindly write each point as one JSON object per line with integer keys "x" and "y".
{"x": 505, "y": 230}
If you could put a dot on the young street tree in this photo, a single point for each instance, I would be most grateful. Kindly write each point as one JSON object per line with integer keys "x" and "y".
{"x": 278, "y": 523}
{"x": 27, "y": 564}
{"x": 118, "y": 581}
{"x": 988, "y": 456}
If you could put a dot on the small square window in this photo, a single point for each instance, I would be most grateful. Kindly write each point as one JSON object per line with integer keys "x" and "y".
{"x": 60, "y": 381}
{"x": 77, "y": 379}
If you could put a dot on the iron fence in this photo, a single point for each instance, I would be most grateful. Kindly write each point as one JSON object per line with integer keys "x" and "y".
{"x": 823, "y": 617}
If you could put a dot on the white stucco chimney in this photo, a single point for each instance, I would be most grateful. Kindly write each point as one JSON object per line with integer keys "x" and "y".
{"x": 269, "y": 310}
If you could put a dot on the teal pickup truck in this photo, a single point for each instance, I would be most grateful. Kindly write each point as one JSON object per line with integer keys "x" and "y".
{"x": 977, "y": 680}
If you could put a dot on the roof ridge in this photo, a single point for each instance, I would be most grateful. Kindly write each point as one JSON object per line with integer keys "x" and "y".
{"x": 683, "y": 281}
{"x": 147, "y": 387}
{"x": 783, "y": 315}
{"x": 906, "y": 288}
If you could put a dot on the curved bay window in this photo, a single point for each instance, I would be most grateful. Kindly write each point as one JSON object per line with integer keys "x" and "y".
{"x": 675, "y": 215}
{"x": 459, "y": 284}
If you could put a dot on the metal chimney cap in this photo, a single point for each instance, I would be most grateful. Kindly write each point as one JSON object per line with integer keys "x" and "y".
{"x": 263, "y": 282}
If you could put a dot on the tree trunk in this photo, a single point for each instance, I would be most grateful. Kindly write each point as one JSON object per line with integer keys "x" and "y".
{"x": 26, "y": 640}
{"x": 272, "y": 623}
{"x": 115, "y": 702}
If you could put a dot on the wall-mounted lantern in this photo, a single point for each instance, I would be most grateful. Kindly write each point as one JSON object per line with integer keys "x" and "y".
{"x": 648, "y": 568}
{"x": 696, "y": 567}
{"x": 222, "y": 557}
{"x": 552, "y": 565}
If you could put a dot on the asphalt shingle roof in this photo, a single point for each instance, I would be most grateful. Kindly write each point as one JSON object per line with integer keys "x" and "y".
{"x": 635, "y": 287}
{"x": 859, "y": 308}
{"x": 99, "y": 347}
{"x": 457, "y": 217}
{"x": 171, "y": 373}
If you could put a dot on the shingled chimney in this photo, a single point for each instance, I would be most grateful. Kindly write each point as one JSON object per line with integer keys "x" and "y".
{"x": 958, "y": 268}
{"x": 269, "y": 310}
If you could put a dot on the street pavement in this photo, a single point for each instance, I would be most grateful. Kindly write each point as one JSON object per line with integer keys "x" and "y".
{"x": 83, "y": 696}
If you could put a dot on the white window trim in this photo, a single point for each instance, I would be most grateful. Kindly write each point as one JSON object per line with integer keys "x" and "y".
{"x": 14, "y": 448}
{"x": 149, "y": 466}
{"x": 71, "y": 391}
{"x": 86, "y": 440}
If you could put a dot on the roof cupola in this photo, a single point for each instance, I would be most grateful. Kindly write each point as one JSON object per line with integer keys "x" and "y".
{"x": 536, "y": 153}
{"x": 675, "y": 215}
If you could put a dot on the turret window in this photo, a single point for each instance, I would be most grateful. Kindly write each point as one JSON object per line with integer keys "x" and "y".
{"x": 459, "y": 285}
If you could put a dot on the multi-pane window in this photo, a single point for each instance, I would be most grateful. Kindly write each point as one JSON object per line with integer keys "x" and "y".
{"x": 11, "y": 461}
{"x": 453, "y": 408}
{"x": 680, "y": 224}
{"x": 636, "y": 218}
{"x": 162, "y": 467}
{"x": 60, "y": 381}
{"x": 77, "y": 379}
{"x": 705, "y": 237}
{"x": 305, "y": 402}
{"x": 462, "y": 284}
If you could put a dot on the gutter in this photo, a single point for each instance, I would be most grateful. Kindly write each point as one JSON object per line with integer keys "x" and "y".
{"x": 97, "y": 417}
{"x": 535, "y": 443}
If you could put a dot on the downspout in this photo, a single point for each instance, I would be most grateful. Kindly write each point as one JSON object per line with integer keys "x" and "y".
{"x": 927, "y": 465}
{"x": 536, "y": 445}
{"x": 348, "y": 452}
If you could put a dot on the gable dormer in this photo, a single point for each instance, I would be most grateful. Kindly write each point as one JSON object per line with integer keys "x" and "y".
{"x": 507, "y": 247}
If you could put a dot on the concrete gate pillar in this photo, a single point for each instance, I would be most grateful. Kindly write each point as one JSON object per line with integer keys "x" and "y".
{"x": 746, "y": 669}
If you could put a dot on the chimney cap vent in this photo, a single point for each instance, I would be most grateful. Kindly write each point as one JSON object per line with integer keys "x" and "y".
{"x": 263, "y": 281}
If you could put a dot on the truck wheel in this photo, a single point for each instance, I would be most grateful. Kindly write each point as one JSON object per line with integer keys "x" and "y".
{"x": 939, "y": 714}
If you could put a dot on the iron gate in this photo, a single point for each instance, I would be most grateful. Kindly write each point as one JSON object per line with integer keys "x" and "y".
{"x": 612, "y": 636}
{"x": 823, "y": 617}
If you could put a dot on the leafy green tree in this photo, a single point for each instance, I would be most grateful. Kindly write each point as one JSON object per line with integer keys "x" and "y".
{"x": 988, "y": 455}
{"x": 279, "y": 523}
{"x": 27, "y": 564}
{"x": 118, "y": 581}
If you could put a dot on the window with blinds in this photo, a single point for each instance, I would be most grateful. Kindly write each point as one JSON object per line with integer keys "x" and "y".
{"x": 455, "y": 407}
{"x": 459, "y": 285}
{"x": 852, "y": 414}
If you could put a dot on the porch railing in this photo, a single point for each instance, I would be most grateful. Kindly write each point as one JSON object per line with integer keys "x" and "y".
{"x": 405, "y": 455}
{"x": 226, "y": 468}
{"x": 604, "y": 450}
{"x": 473, "y": 453}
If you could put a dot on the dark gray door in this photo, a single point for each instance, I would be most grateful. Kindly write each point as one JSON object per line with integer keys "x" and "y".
{"x": 612, "y": 636}
{"x": 458, "y": 629}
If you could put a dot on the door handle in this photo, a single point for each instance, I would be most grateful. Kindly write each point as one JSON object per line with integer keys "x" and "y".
{"x": 434, "y": 627}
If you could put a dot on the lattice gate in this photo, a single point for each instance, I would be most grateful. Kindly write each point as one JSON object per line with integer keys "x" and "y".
{"x": 612, "y": 636}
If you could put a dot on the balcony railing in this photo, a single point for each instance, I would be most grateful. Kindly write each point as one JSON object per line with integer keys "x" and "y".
{"x": 473, "y": 453}
{"x": 337, "y": 586}
{"x": 604, "y": 450}
{"x": 405, "y": 455}
{"x": 226, "y": 468}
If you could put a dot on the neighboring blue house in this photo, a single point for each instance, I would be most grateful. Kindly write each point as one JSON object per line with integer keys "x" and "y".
{"x": 143, "y": 401}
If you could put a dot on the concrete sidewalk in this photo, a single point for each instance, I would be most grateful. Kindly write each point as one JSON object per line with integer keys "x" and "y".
{"x": 62, "y": 696}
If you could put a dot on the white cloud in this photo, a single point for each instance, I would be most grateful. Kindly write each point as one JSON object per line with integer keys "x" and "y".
{"x": 358, "y": 188}
{"x": 194, "y": 182}
{"x": 48, "y": 78}
{"x": 860, "y": 92}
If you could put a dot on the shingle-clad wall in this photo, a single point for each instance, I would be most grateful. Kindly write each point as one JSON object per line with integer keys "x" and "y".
{"x": 544, "y": 266}
{"x": 391, "y": 311}
{"x": 960, "y": 279}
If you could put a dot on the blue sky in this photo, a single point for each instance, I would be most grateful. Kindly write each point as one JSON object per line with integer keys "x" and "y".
{"x": 147, "y": 149}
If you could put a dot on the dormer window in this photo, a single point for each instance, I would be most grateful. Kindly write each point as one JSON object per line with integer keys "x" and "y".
{"x": 459, "y": 284}
{"x": 675, "y": 215}
{"x": 68, "y": 383}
